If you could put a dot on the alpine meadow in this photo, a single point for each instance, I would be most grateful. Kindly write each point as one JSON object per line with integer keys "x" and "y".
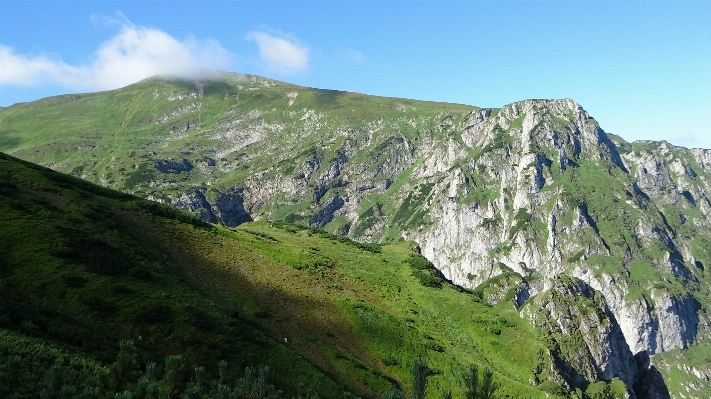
{"x": 243, "y": 237}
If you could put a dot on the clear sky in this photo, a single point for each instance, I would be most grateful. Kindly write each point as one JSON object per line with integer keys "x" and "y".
{"x": 641, "y": 68}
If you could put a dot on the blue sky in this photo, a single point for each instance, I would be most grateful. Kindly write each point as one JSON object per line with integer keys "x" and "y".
{"x": 641, "y": 68}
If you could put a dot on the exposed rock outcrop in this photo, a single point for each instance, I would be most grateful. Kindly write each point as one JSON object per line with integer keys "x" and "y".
{"x": 229, "y": 208}
{"x": 171, "y": 166}
{"x": 587, "y": 343}
{"x": 196, "y": 202}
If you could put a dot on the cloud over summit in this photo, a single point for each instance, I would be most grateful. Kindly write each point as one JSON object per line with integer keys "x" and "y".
{"x": 134, "y": 53}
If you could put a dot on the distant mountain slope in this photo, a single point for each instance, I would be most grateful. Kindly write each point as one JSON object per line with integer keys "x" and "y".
{"x": 521, "y": 197}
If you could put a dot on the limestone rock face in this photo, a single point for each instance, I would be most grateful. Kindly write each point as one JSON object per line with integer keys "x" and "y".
{"x": 171, "y": 166}
{"x": 588, "y": 344}
{"x": 196, "y": 202}
{"x": 230, "y": 208}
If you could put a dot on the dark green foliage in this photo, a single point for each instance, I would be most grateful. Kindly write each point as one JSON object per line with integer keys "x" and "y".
{"x": 425, "y": 271}
{"x": 553, "y": 388}
{"x": 367, "y": 219}
{"x": 262, "y": 235}
{"x": 96, "y": 255}
{"x": 185, "y": 293}
{"x": 199, "y": 319}
{"x": 56, "y": 384}
{"x": 254, "y": 384}
{"x": 126, "y": 378}
{"x": 471, "y": 382}
{"x": 10, "y": 367}
{"x": 419, "y": 262}
{"x": 433, "y": 346}
{"x": 576, "y": 256}
{"x": 291, "y": 218}
{"x": 66, "y": 180}
{"x": 74, "y": 281}
{"x": 479, "y": 385}
{"x": 174, "y": 372}
{"x": 35, "y": 317}
{"x": 82, "y": 304}
{"x": 501, "y": 140}
{"x": 393, "y": 394}
{"x": 154, "y": 312}
{"x": 76, "y": 272}
{"x": 374, "y": 248}
{"x": 406, "y": 213}
{"x": 488, "y": 386}
{"x": 605, "y": 393}
{"x": 420, "y": 372}
{"x": 125, "y": 369}
{"x": 169, "y": 212}
{"x": 427, "y": 279}
{"x": 143, "y": 175}
{"x": 522, "y": 219}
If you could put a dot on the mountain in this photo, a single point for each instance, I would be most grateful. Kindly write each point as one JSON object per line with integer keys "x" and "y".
{"x": 601, "y": 243}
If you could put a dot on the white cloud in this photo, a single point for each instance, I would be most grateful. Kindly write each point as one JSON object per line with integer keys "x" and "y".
{"x": 30, "y": 70}
{"x": 133, "y": 54}
{"x": 280, "y": 54}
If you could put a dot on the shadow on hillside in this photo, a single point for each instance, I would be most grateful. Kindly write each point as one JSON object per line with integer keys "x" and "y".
{"x": 293, "y": 307}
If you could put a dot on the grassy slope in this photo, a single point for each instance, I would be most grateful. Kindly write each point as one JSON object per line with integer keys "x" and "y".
{"x": 125, "y": 122}
{"x": 83, "y": 266}
{"x": 678, "y": 368}
{"x": 114, "y": 138}
{"x": 77, "y": 275}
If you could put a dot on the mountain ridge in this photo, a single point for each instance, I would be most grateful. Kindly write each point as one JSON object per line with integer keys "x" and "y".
{"x": 516, "y": 196}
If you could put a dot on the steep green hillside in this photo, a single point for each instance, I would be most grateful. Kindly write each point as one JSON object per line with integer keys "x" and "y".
{"x": 83, "y": 267}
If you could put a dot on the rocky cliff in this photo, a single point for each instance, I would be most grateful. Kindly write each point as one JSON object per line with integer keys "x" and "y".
{"x": 535, "y": 189}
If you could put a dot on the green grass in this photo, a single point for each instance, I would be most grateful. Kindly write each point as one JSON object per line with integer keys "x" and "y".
{"x": 355, "y": 315}
{"x": 675, "y": 367}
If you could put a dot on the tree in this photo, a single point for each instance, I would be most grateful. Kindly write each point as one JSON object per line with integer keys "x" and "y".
{"x": 56, "y": 384}
{"x": 476, "y": 387}
{"x": 254, "y": 384}
{"x": 420, "y": 372}
{"x": 9, "y": 374}
{"x": 125, "y": 369}
{"x": 488, "y": 386}
{"x": 174, "y": 369}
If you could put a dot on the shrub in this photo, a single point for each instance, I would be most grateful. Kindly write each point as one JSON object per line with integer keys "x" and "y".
{"x": 425, "y": 271}
{"x": 427, "y": 279}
